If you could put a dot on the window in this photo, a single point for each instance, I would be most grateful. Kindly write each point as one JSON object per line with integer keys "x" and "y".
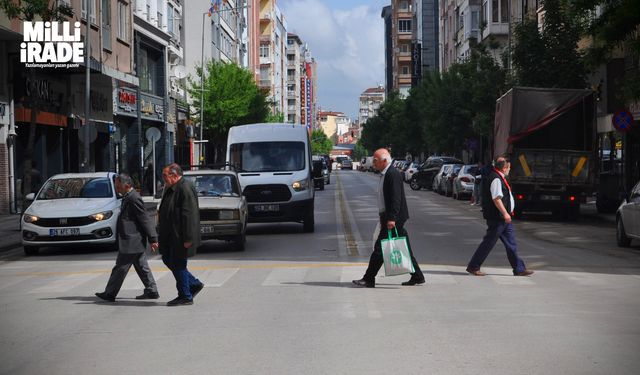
{"x": 504, "y": 11}
{"x": 123, "y": 21}
{"x": 148, "y": 12}
{"x": 106, "y": 24}
{"x": 494, "y": 11}
{"x": 485, "y": 12}
{"x": 404, "y": 6}
{"x": 170, "y": 19}
{"x": 404, "y": 48}
{"x": 405, "y": 70}
{"x": 475, "y": 24}
{"x": 92, "y": 14}
{"x": 264, "y": 51}
{"x": 404, "y": 26}
{"x": 159, "y": 14}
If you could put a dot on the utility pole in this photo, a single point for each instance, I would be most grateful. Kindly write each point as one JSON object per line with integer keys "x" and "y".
{"x": 86, "y": 158}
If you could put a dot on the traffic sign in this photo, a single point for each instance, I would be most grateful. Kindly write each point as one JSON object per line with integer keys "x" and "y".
{"x": 622, "y": 121}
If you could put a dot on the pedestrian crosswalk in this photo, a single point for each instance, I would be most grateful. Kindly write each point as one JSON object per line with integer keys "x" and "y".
{"x": 31, "y": 278}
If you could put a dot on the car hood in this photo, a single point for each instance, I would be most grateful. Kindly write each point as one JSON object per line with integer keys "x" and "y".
{"x": 219, "y": 203}
{"x": 75, "y": 207}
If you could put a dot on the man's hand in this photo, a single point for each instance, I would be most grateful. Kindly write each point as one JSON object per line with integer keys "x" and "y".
{"x": 391, "y": 224}
{"x": 154, "y": 246}
{"x": 507, "y": 218}
{"x": 187, "y": 245}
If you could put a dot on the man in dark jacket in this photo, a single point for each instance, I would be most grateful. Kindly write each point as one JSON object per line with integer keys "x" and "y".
{"x": 497, "y": 208}
{"x": 179, "y": 220}
{"x": 393, "y": 212}
{"x": 134, "y": 231}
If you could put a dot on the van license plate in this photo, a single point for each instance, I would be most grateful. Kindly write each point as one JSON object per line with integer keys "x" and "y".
{"x": 550, "y": 197}
{"x": 266, "y": 208}
{"x": 64, "y": 232}
{"x": 204, "y": 229}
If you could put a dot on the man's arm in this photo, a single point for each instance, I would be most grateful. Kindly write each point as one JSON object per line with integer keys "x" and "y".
{"x": 396, "y": 199}
{"x": 496, "y": 195}
{"x": 142, "y": 217}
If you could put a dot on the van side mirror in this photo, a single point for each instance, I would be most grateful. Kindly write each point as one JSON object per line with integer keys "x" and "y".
{"x": 30, "y": 197}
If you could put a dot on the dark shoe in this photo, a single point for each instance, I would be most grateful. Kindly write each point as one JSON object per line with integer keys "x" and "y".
{"x": 414, "y": 281}
{"x": 180, "y": 301}
{"x": 106, "y": 297}
{"x": 524, "y": 273}
{"x": 150, "y": 295}
{"x": 196, "y": 289}
{"x": 364, "y": 283}
{"x": 476, "y": 272}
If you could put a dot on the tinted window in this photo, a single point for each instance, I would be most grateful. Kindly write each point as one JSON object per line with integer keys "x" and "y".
{"x": 99, "y": 187}
{"x": 268, "y": 156}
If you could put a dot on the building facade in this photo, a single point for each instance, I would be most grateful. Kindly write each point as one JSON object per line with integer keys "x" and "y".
{"x": 273, "y": 55}
{"x": 370, "y": 101}
{"x": 427, "y": 42}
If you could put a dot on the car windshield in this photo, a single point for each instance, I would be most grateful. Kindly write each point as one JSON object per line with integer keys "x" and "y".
{"x": 268, "y": 156}
{"x": 87, "y": 187}
{"x": 472, "y": 170}
{"x": 214, "y": 185}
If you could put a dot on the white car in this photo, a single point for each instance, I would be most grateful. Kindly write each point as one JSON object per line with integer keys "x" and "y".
{"x": 73, "y": 208}
{"x": 628, "y": 218}
{"x": 413, "y": 168}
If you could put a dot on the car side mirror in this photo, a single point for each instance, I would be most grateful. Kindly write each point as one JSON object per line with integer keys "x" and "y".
{"x": 30, "y": 197}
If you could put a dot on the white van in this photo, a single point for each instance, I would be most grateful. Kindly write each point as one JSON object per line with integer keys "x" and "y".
{"x": 273, "y": 162}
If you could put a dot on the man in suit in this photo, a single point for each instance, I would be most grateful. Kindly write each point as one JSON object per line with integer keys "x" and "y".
{"x": 393, "y": 212}
{"x": 179, "y": 220}
{"x": 134, "y": 231}
{"x": 497, "y": 208}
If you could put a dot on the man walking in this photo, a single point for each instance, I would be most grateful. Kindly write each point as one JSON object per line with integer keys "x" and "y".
{"x": 134, "y": 230}
{"x": 392, "y": 207}
{"x": 497, "y": 209}
{"x": 179, "y": 230}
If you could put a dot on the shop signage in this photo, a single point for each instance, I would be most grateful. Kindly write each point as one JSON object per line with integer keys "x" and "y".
{"x": 51, "y": 45}
{"x": 151, "y": 107}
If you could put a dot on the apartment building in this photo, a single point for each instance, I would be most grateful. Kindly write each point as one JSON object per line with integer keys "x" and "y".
{"x": 427, "y": 36}
{"x": 273, "y": 43}
{"x": 296, "y": 80}
{"x": 370, "y": 101}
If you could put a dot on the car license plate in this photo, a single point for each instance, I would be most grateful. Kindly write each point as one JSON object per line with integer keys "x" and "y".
{"x": 64, "y": 232}
{"x": 266, "y": 208}
{"x": 550, "y": 197}
{"x": 206, "y": 229}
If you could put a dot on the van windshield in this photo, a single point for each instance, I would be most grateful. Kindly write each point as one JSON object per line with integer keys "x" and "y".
{"x": 268, "y": 156}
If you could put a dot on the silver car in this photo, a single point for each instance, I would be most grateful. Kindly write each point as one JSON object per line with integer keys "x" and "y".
{"x": 628, "y": 218}
{"x": 463, "y": 183}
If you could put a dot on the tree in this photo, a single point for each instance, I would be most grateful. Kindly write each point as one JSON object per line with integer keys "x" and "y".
{"x": 231, "y": 97}
{"x": 278, "y": 117}
{"x": 320, "y": 143}
{"x": 550, "y": 58}
{"x": 31, "y": 10}
{"x": 359, "y": 151}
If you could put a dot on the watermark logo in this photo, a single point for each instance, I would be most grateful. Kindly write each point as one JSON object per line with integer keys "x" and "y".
{"x": 51, "y": 45}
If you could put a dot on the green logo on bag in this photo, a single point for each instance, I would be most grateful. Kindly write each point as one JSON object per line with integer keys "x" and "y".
{"x": 395, "y": 257}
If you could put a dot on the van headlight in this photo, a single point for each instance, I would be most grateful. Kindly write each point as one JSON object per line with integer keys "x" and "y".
{"x": 300, "y": 185}
{"x": 229, "y": 215}
{"x": 30, "y": 218}
{"x": 100, "y": 216}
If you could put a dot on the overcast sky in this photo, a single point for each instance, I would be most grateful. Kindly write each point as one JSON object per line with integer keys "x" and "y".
{"x": 346, "y": 37}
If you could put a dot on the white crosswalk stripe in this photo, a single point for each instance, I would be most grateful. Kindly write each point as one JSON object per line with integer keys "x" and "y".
{"x": 6, "y": 282}
{"x": 62, "y": 284}
{"x": 132, "y": 281}
{"x": 216, "y": 278}
{"x": 285, "y": 276}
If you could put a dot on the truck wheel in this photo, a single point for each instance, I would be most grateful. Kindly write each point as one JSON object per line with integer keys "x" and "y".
{"x": 308, "y": 223}
{"x": 413, "y": 184}
{"x": 621, "y": 235}
{"x": 31, "y": 250}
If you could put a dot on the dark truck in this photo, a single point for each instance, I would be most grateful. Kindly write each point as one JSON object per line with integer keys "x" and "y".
{"x": 550, "y": 137}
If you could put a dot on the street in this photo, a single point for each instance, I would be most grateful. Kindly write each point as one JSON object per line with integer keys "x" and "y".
{"x": 286, "y": 305}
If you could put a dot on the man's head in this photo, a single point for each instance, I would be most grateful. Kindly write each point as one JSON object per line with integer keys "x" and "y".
{"x": 502, "y": 164}
{"x": 124, "y": 183}
{"x": 171, "y": 174}
{"x": 381, "y": 158}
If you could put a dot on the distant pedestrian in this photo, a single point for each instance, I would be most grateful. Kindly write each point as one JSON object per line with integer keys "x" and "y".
{"x": 179, "y": 228}
{"x": 393, "y": 213}
{"x": 134, "y": 231}
{"x": 497, "y": 208}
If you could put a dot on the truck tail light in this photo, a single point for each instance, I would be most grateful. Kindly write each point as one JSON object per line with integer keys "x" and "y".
{"x": 520, "y": 197}
{"x": 572, "y": 198}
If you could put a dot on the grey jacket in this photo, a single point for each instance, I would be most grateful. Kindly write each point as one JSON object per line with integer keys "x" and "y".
{"x": 135, "y": 229}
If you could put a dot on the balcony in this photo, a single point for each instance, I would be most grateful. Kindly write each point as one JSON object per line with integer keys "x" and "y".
{"x": 496, "y": 29}
{"x": 404, "y": 56}
{"x": 265, "y": 83}
{"x": 291, "y": 94}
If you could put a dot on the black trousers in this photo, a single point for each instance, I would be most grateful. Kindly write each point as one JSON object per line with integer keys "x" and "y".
{"x": 376, "y": 261}
{"x": 120, "y": 270}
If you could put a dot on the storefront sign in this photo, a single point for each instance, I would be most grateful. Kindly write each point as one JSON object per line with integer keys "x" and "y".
{"x": 151, "y": 107}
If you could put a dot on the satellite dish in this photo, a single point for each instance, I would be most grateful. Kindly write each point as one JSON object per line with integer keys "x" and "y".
{"x": 153, "y": 134}
{"x": 179, "y": 71}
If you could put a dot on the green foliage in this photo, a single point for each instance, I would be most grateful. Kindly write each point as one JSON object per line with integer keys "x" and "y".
{"x": 278, "y": 117}
{"x": 359, "y": 151}
{"x": 31, "y": 10}
{"x": 320, "y": 144}
{"x": 550, "y": 58}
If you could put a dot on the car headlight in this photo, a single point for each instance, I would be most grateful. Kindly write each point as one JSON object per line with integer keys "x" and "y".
{"x": 229, "y": 215}
{"x": 300, "y": 185}
{"x": 30, "y": 218}
{"x": 101, "y": 215}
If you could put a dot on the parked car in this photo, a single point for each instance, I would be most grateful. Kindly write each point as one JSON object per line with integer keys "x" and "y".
{"x": 438, "y": 186}
{"x": 366, "y": 165}
{"x": 223, "y": 208}
{"x": 628, "y": 218}
{"x": 346, "y": 164}
{"x": 423, "y": 178}
{"x": 408, "y": 173}
{"x": 464, "y": 181}
{"x": 72, "y": 208}
{"x": 447, "y": 180}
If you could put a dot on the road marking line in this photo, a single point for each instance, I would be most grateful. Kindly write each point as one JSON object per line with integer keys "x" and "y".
{"x": 133, "y": 282}
{"x": 286, "y": 276}
{"x": 14, "y": 281}
{"x": 64, "y": 283}
{"x": 350, "y": 274}
{"x": 352, "y": 245}
{"x": 511, "y": 280}
{"x": 217, "y": 278}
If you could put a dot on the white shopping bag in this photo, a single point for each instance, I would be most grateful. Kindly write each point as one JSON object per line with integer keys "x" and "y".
{"x": 396, "y": 256}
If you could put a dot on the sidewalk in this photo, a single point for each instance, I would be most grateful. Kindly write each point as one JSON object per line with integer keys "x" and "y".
{"x": 10, "y": 237}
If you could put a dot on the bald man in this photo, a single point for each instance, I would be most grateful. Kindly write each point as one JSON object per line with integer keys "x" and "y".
{"x": 392, "y": 207}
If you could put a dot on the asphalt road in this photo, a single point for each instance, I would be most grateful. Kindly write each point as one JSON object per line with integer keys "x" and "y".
{"x": 286, "y": 305}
